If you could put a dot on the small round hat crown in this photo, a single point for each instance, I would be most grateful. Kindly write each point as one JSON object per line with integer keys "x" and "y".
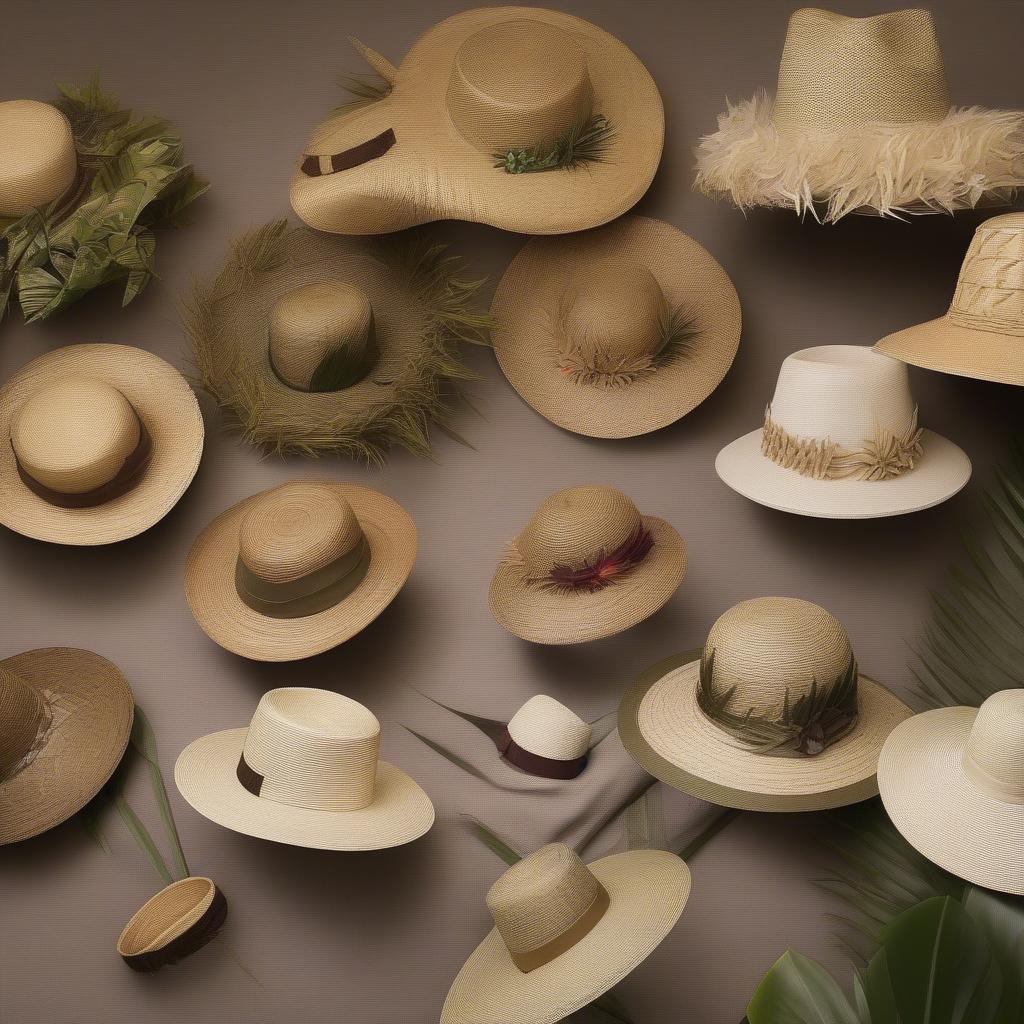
{"x": 38, "y": 163}
{"x": 990, "y": 291}
{"x": 547, "y": 728}
{"x": 24, "y": 717}
{"x": 995, "y": 747}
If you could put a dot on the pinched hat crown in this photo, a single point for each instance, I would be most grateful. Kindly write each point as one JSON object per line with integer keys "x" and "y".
{"x": 545, "y": 727}
{"x": 994, "y": 757}
{"x": 38, "y": 163}
{"x": 25, "y": 718}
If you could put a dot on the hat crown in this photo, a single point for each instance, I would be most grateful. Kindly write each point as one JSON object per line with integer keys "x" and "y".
{"x": 990, "y": 290}
{"x": 38, "y": 162}
{"x": 547, "y": 728}
{"x": 995, "y": 746}
{"x": 23, "y": 714}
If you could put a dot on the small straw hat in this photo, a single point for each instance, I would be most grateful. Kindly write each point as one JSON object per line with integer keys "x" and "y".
{"x": 952, "y": 780}
{"x": 546, "y": 739}
{"x": 100, "y": 442}
{"x": 982, "y": 334}
{"x": 566, "y": 932}
{"x": 587, "y": 565}
{"x": 841, "y": 441}
{"x": 38, "y": 162}
{"x": 773, "y": 715}
{"x": 305, "y": 772}
{"x": 487, "y": 119}
{"x": 298, "y": 569}
{"x": 618, "y": 331}
{"x": 66, "y": 716}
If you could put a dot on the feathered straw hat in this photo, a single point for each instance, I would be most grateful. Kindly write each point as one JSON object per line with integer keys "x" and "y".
{"x": 99, "y": 443}
{"x": 547, "y": 739}
{"x": 861, "y": 122}
{"x": 66, "y": 717}
{"x": 952, "y": 780}
{"x": 565, "y": 932}
{"x": 526, "y": 119}
{"x": 618, "y": 331}
{"x": 587, "y": 565}
{"x": 772, "y": 716}
{"x": 306, "y": 772}
{"x": 841, "y": 441}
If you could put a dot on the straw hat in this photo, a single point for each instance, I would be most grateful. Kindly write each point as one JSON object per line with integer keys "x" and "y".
{"x": 38, "y": 163}
{"x": 66, "y": 717}
{"x": 772, "y": 716}
{"x": 479, "y": 105}
{"x": 566, "y": 932}
{"x": 587, "y": 565}
{"x": 841, "y": 441}
{"x": 952, "y": 780}
{"x": 298, "y": 569}
{"x": 982, "y": 334}
{"x": 306, "y": 772}
{"x": 618, "y": 331}
{"x": 546, "y": 739}
{"x": 862, "y": 122}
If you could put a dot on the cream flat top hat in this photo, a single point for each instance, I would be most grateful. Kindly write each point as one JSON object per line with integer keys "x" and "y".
{"x": 38, "y": 162}
{"x": 565, "y": 932}
{"x": 841, "y": 441}
{"x": 306, "y": 772}
{"x": 547, "y": 739}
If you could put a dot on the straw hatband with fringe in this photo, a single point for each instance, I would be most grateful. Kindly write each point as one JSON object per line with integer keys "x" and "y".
{"x": 546, "y": 739}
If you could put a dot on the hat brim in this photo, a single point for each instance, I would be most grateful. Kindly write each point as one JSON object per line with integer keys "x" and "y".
{"x": 648, "y": 891}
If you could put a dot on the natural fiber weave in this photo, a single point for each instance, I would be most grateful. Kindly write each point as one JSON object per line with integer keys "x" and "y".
{"x": 547, "y": 728}
{"x": 37, "y": 161}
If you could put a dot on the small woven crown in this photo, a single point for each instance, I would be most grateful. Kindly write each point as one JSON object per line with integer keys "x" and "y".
{"x": 990, "y": 291}
{"x": 995, "y": 746}
{"x": 545, "y": 727}
{"x": 170, "y": 913}
{"x": 23, "y": 718}
{"x": 38, "y": 163}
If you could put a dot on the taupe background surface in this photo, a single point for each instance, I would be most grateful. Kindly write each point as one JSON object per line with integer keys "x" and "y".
{"x": 377, "y": 938}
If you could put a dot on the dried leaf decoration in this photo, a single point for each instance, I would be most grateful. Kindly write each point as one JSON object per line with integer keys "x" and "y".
{"x": 606, "y": 567}
{"x": 584, "y": 143}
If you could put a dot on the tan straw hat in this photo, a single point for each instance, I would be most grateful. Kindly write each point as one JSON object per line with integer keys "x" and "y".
{"x": 546, "y": 739}
{"x": 862, "y": 122}
{"x": 65, "y": 719}
{"x": 527, "y": 119}
{"x": 618, "y": 331}
{"x": 587, "y": 565}
{"x": 841, "y": 441}
{"x": 952, "y": 780}
{"x": 97, "y": 443}
{"x": 566, "y": 932}
{"x": 38, "y": 162}
{"x": 298, "y": 569}
{"x": 982, "y": 334}
{"x": 772, "y": 716}
{"x": 306, "y": 772}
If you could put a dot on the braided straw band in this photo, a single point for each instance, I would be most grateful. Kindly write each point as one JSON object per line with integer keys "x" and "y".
{"x": 537, "y": 764}
{"x": 530, "y": 959}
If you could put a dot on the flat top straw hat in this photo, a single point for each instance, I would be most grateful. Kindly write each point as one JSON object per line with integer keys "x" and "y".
{"x": 841, "y": 441}
{"x": 306, "y": 772}
{"x": 298, "y": 569}
{"x": 66, "y": 717}
{"x": 586, "y": 566}
{"x": 861, "y": 122}
{"x": 547, "y": 739}
{"x": 38, "y": 163}
{"x": 566, "y": 932}
{"x": 97, "y": 443}
{"x": 773, "y": 715}
{"x": 618, "y": 331}
{"x": 952, "y": 780}
{"x": 526, "y": 119}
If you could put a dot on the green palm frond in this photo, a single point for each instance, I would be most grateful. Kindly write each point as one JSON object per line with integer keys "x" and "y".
{"x": 584, "y": 143}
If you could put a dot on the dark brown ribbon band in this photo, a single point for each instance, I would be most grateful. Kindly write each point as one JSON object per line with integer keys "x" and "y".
{"x": 531, "y": 959}
{"x": 535, "y": 764}
{"x": 250, "y": 779}
{"x": 312, "y": 164}
{"x": 188, "y": 942}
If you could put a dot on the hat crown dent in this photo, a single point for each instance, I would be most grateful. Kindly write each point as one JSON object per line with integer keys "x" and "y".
{"x": 547, "y": 728}
{"x": 990, "y": 289}
{"x": 23, "y": 716}
{"x": 38, "y": 161}
{"x": 995, "y": 746}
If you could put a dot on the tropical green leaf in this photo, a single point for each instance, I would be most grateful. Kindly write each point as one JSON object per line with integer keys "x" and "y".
{"x": 139, "y": 831}
{"x": 492, "y": 840}
{"x": 584, "y": 143}
{"x": 797, "y": 990}
{"x": 448, "y": 755}
{"x": 1001, "y": 918}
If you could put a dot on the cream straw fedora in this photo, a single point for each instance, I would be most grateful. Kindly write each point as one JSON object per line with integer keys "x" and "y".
{"x": 952, "y": 780}
{"x": 526, "y": 119}
{"x": 982, "y": 334}
{"x": 565, "y": 932}
{"x": 773, "y": 715}
{"x": 587, "y": 565}
{"x": 841, "y": 441}
{"x": 99, "y": 443}
{"x": 65, "y": 719}
{"x": 546, "y": 739}
{"x": 618, "y": 331}
{"x": 305, "y": 772}
{"x": 298, "y": 569}
{"x": 862, "y": 122}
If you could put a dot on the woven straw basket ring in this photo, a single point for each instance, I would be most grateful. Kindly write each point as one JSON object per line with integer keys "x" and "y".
{"x": 38, "y": 163}
{"x": 546, "y": 739}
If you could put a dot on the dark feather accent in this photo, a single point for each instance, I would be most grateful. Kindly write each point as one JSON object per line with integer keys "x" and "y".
{"x": 605, "y": 569}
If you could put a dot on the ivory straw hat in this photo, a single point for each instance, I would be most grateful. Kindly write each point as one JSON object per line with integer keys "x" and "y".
{"x": 306, "y": 772}
{"x": 38, "y": 162}
{"x": 100, "y": 443}
{"x": 773, "y": 715}
{"x": 587, "y": 565}
{"x": 618, "y": 331}
{"x": 841, "y": 441}
{"x": 66, "y": 717}
{"x": 480, "y": 104}
{"x": 952, "y": 780}
{"x": 566, "y": 932}
{"x": 547, "y": 739}
{"x": 298, "y": 569}
{"x": 862, "y": 122}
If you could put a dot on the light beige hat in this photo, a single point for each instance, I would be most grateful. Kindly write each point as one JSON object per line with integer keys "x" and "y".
{"x": 547, "y": 739}
{"x": 841, "y": 441}
{"x": 566, "y": 932}
{"x": 773, "y": 715}
{"x": 306, "y": 772}
{"x": 952, "y": 780}
{"x": 298, "y": 569}
{"x": 587, "y": 565}
{"x": 618, "y": 331}
{"x": 38, "y": 162}
{"x": 99, "y": 443}
{"x": 982, "y": 333}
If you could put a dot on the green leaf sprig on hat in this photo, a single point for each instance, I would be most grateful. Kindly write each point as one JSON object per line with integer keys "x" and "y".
{"x": 586, "y": 142}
